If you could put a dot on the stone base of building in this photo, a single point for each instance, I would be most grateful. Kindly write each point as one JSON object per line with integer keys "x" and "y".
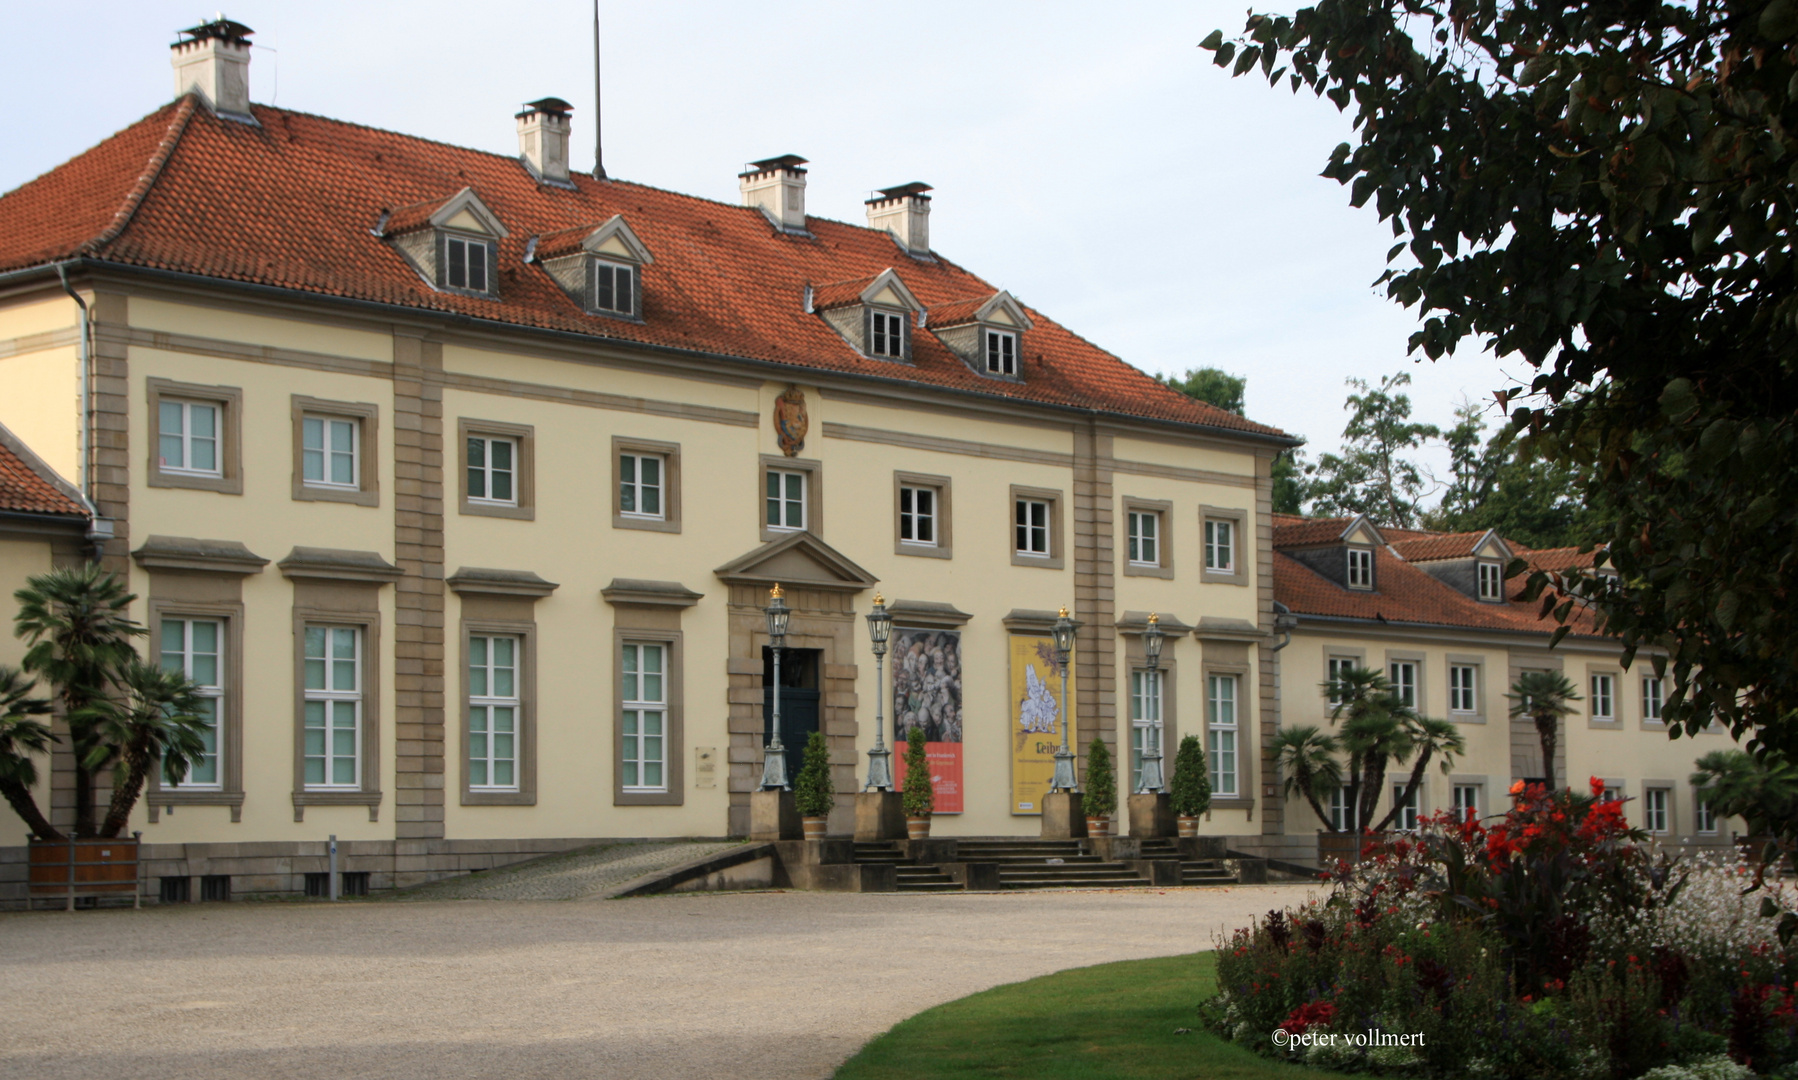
{"x": 1152, "y": 816}
{"x": 280, "y": 869}
{"x": 879, "y": 815}
{"x": 774, "y": 815}
{"x": 1064, "y": 816}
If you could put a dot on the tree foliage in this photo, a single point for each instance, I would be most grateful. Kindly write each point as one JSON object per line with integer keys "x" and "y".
{"x": 23, "y": 735}
{"x": 1212, "y": 385}
{"x": 916, "y": 796}
{"x": 1503, "y": 483}
{"x": 1190, "y": 789}
{"x": 1101, "y": 781}
{"x": 813, "y": 793}
{"x": 158, "y": 720}
{"x": 1608, "y": 192}
{"x": 1544, "y": 698}
{"x": 1374, "y": 474}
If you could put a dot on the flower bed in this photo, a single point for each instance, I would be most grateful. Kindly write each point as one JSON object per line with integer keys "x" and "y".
{"x": 1551, "y": 942}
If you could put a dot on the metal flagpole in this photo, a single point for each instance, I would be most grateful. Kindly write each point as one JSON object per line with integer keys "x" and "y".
{"x": 599, "y": 152}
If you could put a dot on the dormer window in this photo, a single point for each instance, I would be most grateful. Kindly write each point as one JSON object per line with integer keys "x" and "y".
{"x": 1491, "y": 582}
{"x": 601, "y": 269}
{"x": 465, "y": 263}
{"x": 453, "y": 243}
{"x": 614, "y": 288}
{"x": 886, "y": 334}
{"x": 1001, "y": 352}
{"x": 1360, "y": 568}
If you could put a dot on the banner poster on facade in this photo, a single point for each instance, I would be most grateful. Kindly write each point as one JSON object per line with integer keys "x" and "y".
{"x": 1035, "y": 720}
{"x": 927, "y": 694}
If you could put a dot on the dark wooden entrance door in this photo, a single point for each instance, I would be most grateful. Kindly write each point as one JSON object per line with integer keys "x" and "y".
{"x": 798, "y": 700}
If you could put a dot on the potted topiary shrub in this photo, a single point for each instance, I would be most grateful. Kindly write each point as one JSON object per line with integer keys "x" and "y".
{"x": 1191, "y": 788}
{"x": 813, "y": 793}
{"x": 1101, "y": 789}
{"x": 919, "y": 798}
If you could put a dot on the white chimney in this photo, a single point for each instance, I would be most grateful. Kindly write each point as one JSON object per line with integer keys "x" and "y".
{"x": 903, "y": 211}
{"x": 543, "y": 139}
{"x": 776, "y": 187}
{"x": 214, "y": 61}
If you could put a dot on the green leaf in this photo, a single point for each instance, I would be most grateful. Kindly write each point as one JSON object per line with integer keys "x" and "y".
{"x": 1779, "y": 20}
{"x": 1212, "y": 41}
{"x": 1677, "y": 399}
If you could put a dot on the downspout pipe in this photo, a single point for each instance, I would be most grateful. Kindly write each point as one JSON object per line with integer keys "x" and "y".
{"x": 98, "y": 531}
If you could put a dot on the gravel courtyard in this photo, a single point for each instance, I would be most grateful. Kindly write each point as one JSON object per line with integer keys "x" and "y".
{"x": 728, "y": 986}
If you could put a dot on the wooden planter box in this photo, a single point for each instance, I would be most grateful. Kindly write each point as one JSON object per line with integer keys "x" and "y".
{"x": 76, "y": 869}
{"x": 1344, "y": 847}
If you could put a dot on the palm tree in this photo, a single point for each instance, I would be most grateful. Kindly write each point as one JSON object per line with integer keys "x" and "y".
{"x": 1545, "y": 697}
{"x": 1306, "y": 757}
{"x": 20, "y": 737}
{"x": 1429, "y": 739}
{"x": 75, "y": 623}
{"x": 161, "y": 719}
{"x": 1734, "y": 783}
{"x": 1374, "y": 732}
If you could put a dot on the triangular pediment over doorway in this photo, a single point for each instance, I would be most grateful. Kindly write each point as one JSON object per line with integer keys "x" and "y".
{"x": 798, "y": 559}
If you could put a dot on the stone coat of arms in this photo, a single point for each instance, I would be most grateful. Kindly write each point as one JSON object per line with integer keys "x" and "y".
{"x": 790, "y": 422}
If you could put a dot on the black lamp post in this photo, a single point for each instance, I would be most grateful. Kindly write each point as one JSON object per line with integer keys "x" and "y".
{"x": 1152, "y": 636}
{"x": 880, "y": 759}
{"x": 774, "y": 755}
{"x": 1064, "y": 758}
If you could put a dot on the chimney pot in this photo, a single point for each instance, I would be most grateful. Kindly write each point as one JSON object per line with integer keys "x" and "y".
{"x": 903, "y": 211}
{"x": 543, "y": 139}
{"x": 776, "y": 186}
{"x": 213, "y": 60}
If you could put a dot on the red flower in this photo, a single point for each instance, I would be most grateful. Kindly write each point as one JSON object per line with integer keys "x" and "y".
{"x": 1597, "y": 786}
{"x": 1305, "y": 1016}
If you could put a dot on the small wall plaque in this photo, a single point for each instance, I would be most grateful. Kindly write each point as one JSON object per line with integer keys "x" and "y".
{"x": 705, "y": 766}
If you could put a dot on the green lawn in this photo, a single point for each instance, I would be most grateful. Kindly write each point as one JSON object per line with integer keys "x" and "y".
{"x": 1111, "y": 1022}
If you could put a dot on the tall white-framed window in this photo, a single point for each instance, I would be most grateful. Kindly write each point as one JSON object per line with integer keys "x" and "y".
{"x": 1654, "y": 809}
{"x": 1467, "y": 801}
{"x": 492, "y": 470}
{"x": 1651, "y": 699}
{"x": 1604, "y": 698}
{"x": 1360, "y": 568}
{"x": 1407, "y": 808}
{"x": 1402, "y": 674}
{"x": 196, "y": 649}
{"x": 645, "y": 719}
{"x": 1463, "y": 687}
{"x": 642, "y": 479}
{"x": 493, "y": 712}
{"x": 1001, "y": 352}
{"x": 1339, "y": 808}
{"x": 886, "y": 335}
{"x": 917, "y": 515}
{"x": 1706, "y": 819}
{"x": 1145, "y": 713}
{"x": 1492, "y": 581}
{"x": 786, "y": 499}
{"x": 333, "y": 693}
{"x": 1220, "y": 546}
{"x": 329, "y": 446}
{"x": 614, "y": 288}
{"x": 1220, "y": 723}
{"x": 187, "y": 437}
{"x": 1335, "y": 669}
{"x": 465, "y": 264}
{"x": 1032, "y": 520}
{"x": 1145, "y": 538}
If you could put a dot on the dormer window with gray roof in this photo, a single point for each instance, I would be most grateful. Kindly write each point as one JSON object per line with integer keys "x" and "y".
{"x": 987, "y": 332}
{"x": 600, "y": 269}
{"x": 453, "y": 243}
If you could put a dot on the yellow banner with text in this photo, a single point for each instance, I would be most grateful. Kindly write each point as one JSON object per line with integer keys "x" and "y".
{"x": 1036, "y": 710}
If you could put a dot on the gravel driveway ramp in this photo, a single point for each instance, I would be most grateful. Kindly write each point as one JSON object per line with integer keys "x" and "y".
{"x": 715, "y": 986}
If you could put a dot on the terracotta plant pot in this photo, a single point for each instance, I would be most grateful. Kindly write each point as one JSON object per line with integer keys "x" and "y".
{"x": 1189, "y": 826}
{"x": 1098, "y": 826}
{"x": 917, "y": 827}
{"x": 815, "y": 827}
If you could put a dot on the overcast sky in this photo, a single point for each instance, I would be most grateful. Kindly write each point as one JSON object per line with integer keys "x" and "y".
{"x": 1089, "y": 158}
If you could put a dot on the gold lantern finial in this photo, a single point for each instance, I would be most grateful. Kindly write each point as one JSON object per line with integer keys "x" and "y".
{"x": 879, "y": 599}
{"x": 1153, "y": 618}
{"x": 775, "y": 593}
{"x": 1063, "y": 613}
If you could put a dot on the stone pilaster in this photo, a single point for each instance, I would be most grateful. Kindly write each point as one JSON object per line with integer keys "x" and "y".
{"x": 419, "y": 598}
{"x": 1273, "y": 801}
{"x": 1095, "y": 601}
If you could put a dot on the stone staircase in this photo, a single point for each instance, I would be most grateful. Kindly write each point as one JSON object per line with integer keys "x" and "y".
{"x": 1025, "y": 863}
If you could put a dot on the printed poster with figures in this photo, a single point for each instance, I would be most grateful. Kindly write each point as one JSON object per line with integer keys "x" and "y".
{"x": 927, "y": 694}
{"x": 1035, "y": 720}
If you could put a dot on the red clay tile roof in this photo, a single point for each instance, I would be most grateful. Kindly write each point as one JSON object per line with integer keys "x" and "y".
{"x": 1406, "y": 595}
{"x": 1430, "y": 546}
{"x": 564, "y": 241}
{"x": 1557, "y": 560}
{"x": 290, "y": 202}
{"x": 1304, "y": 532}
{"x": 838, "y": 294}
{"x": 28, "y": 486}
{"x": 956, "y": 312}
{"x": 416, "y": 215}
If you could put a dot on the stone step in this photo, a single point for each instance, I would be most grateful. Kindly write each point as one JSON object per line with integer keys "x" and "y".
{"x": 930, "y": 886}
{"x": 1061, "y": 883}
